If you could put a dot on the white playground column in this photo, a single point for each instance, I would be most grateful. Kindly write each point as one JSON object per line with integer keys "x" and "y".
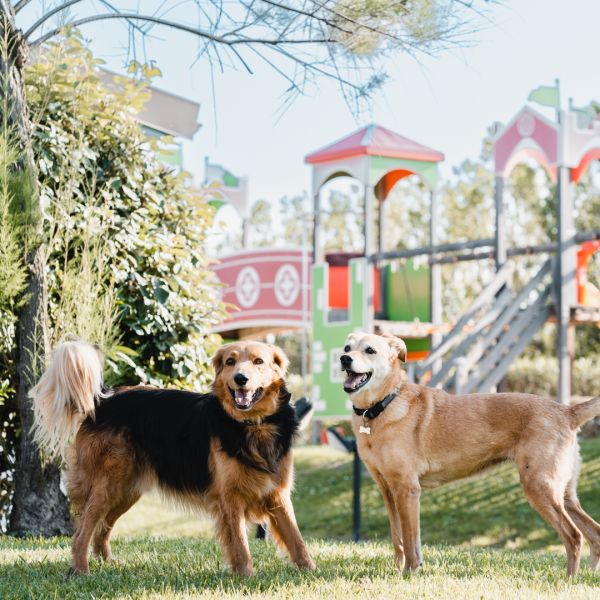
{"x": 368, "y": 225}
{"x": 318, "y": 253}
{"x": 435, "y": 274}
{"x": 565, "y": 282}
{"x": 499, "y": 234}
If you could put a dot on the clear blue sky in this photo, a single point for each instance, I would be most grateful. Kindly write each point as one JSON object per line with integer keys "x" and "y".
{"x": 445, "y": 102}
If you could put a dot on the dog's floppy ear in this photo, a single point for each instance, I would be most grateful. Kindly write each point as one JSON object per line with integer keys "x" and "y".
{"x": 397, "y": 345}
{"x": 280, "y": 359}
{"x": 217, "y": 360}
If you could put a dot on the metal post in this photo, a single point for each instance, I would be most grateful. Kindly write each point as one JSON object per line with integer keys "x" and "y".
{"x": 368, "y": 228}
{"x": 435, "y": 276}
{"x": 305, "y": 316}
{"x": 356, "y": 480}
{"x": 566, "y": 285}
{"x": 500, "y": 235}
{"x": 245, "y": 233}
{"x": 380, "y": 232}
{"x": 382, "y": 313}
{"x": 318, "y": 254}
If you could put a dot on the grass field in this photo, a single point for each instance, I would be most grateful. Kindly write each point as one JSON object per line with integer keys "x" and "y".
{"x": 481, "y": 541}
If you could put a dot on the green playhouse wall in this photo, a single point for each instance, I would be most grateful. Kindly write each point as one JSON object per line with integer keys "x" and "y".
{"x": 329, "y": 337}
{"x": 407, "y": 297}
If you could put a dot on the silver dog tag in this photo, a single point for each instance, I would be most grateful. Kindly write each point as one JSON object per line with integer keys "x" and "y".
{"x": 363, "y": 429}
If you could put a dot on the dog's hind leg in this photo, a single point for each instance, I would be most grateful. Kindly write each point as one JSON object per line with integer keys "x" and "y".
{"x": 544, "y": 496}
{"x": 285, "y": 530}
{"x": 587, "y": 525}
{"x": 101, "y": 543}
{"x": 93, "y": 511}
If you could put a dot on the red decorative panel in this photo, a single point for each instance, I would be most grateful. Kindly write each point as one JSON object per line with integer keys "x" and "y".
{"x": 266, "y": 287}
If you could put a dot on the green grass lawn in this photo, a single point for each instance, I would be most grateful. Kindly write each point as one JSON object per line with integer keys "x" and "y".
{"x": 481, "y": 541}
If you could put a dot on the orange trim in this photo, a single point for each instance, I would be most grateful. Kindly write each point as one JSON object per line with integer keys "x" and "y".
{"x": 339, "y": 288}
{"x": 389, "y": 180}
{"x": 588, "y": 157}
{"x": 586, "y": 250}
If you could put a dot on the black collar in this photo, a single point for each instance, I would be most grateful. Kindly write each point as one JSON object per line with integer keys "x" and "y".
{"x": 376, "y": 409}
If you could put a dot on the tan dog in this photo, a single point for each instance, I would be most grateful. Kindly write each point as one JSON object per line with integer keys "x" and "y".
{"x": 227, "y": 452}
{"x": 425, "y": 437}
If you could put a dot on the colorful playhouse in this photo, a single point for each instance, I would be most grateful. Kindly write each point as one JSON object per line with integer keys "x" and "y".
{"x": 329, "y": 296}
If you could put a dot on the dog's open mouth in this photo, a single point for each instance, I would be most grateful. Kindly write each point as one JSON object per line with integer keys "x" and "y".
{"x": 244, "y": 399}
{"x": 355, "y": 381}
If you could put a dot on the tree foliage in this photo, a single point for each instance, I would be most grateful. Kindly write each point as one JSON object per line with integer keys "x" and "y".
{"x": 115, "y": 212}
{"x": 125, "y": 234}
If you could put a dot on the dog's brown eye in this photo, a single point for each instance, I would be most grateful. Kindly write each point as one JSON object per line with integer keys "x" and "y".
{"x": 370, "y": 350}
{"x": 258, "y": 361}
{"x": 230, "y": 361}
{"x": 346, "y": 348}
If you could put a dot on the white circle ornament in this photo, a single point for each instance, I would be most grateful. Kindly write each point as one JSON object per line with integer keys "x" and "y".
{"x": 287, "y": 285}
{"x": 526, "y": 125}
{"x": 247, "y": 287}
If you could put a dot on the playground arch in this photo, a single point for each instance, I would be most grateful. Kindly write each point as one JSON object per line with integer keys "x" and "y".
{"x": 378, "y": 159}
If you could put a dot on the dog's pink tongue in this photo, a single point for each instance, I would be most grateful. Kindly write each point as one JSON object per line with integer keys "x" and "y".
{"x": 353, "y": 380}
{"x": 243, "y": 397}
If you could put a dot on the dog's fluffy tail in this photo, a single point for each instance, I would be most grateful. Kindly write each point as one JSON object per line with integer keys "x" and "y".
{"x": 584, "y": 411}
{"x": 65, "y": 394}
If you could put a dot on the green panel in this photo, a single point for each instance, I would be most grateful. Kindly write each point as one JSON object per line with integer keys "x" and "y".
{"x": 418, "y": 344}
{"x": 407, "y": 294}
{"x": 328, "y": 338}
{"x": 217, "y": 203}
{"x": 407, "y": 297}
{"x": 380, "y": 165}
{"x": 230, "y": 180}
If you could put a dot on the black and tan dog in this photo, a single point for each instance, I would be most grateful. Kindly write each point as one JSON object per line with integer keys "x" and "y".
{"x": 411, "y": 436}
{"x": 227, "y": 452}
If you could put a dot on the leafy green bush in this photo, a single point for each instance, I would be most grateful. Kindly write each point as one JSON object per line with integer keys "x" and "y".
{"x": 126, "y": 232}
{"x": 539, "y": 375}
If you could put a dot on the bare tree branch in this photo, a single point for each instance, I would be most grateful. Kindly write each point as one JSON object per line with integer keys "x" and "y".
{"x": 21, "y": 4}
{"x": 49, "y": 15}
{"x": 344, "y": 40}
{"x": 220, "y": 39}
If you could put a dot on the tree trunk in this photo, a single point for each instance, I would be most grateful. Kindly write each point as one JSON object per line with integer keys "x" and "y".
{"x": 39, "y": 507}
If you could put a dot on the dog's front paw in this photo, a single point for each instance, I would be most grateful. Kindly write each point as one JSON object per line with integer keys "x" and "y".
{"x": 76, "y": 572}
{"x": 307, "y": 563}
{"x": 410, "y": 566}
{"x": 243, "y": 570}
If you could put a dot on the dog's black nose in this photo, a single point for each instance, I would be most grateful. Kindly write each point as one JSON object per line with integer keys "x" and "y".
{"x": 240, "y": 379}
{"x": 345, "y": 360}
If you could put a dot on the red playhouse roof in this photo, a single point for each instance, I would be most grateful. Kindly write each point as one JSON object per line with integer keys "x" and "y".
{"x": 374, "y": 140}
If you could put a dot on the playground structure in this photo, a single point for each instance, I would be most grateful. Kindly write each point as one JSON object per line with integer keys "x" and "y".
{"x": 369, "y": 292}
